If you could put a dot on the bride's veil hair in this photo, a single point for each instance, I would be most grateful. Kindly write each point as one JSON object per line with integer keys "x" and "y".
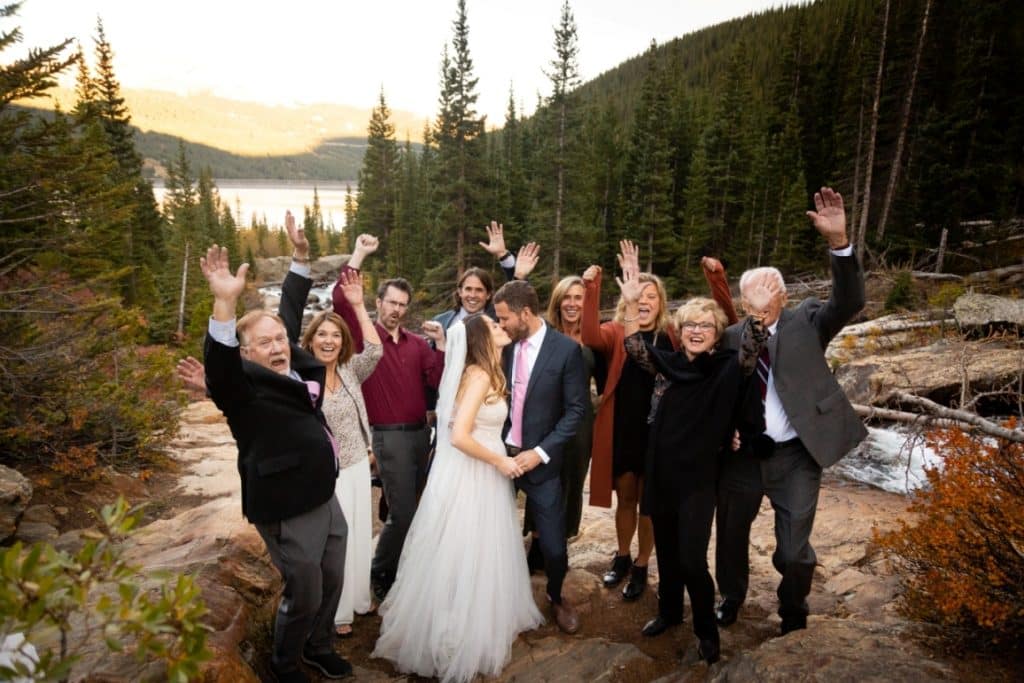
{"x": 451, "y": 378}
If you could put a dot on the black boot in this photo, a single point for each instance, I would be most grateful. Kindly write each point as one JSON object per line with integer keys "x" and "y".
{"x": 618, "y": 571}
{"x": 709, "y": 650}
{"x": 637, "y": 583}
{"x": 534, "y": 557}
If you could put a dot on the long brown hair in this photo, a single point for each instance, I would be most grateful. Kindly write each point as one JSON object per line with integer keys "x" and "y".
{"x": 481, "y": 351}
{"x": 560, "y": 291}
{"x": 347, "y": 346}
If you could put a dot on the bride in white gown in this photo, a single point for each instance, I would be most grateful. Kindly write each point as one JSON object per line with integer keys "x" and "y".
{"x": 463, "y": 593}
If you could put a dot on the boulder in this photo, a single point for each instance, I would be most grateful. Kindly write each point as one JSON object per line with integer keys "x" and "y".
{"x": 981, "y": 310}
{"x": 324, "y": 269}
{"x": 15, "y": 492}
{"x": 32, "y": 532}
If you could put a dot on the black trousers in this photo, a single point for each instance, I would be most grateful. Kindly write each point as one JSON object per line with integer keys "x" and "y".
{"x": 681, "y": 536}
{"x": 791, "y": 479}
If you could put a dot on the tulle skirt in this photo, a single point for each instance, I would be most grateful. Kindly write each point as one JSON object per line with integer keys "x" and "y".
{"x": 463, "y": 592}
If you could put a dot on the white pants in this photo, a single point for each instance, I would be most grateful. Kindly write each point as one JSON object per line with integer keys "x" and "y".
{"x": 353, "y": 492}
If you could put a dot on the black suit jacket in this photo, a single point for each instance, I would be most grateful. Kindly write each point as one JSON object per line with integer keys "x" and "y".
{"x": 812, "y": 398}
{"x": 285, "y": 460}
{"x": 555, "y": 400}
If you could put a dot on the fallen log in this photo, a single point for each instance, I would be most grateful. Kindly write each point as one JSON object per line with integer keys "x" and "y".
{"x": 877, "y": 413}
{"x": 986, "y": 426}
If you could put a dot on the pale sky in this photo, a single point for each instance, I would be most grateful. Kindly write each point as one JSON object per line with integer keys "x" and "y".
{"x": 344, "y": 51}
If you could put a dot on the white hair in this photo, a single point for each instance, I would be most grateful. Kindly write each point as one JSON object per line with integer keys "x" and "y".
{"x": 755, "y": 274}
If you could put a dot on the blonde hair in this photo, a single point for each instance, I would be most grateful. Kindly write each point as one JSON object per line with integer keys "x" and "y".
{"x": 696, "y": 307}
{"x": 661, "y": 320}
{"x": 561, "y": 290}
{"x": 250, "y": 319}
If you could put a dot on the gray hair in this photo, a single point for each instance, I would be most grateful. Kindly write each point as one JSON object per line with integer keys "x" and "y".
{"x": 757, "y": 273}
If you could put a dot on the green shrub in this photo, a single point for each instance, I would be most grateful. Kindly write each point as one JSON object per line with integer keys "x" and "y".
{"x": 902, "y": 295}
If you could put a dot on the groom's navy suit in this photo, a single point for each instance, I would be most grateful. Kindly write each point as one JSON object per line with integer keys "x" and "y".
{"x": 553, "y": 409}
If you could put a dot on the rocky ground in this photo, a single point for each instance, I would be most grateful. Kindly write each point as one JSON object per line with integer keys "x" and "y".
{"x": 854, "y": 631}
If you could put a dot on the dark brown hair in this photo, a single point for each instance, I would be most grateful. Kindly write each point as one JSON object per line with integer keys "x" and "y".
{"x": 399, "y": 283}
{"x": 347, "y": 346}
{"x": 481, "y": 351}
{"x": 485, "y": 279}
{"x": 518, "y": 295}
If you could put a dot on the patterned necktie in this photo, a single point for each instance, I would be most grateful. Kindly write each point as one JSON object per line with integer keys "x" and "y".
{"x": 764, "y": 367}
{"x": 519, "y": 384}
{"x": 314, "y": 393}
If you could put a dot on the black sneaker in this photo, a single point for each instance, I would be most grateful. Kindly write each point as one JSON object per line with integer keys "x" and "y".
{"x": 329, "y": 664}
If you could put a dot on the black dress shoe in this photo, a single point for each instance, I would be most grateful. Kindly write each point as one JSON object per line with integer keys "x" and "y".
{"x": 727, "y": 611}
{"x": 617, "y": 572}
{"x": 657, "y": 626}
{"x": 636, "y": 585}
{"x": 709, "y": 650}
{"x": 534, "y": 557}
{"x": 329, "y": 664}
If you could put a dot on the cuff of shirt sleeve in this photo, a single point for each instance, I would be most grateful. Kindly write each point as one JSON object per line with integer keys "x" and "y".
{"x": 543, "y": 456}
{"x": 845, "y": 251}
{"x": 303, "y": 269}
{"x": 223, "y": 332}
{"x": 509, "y": 261}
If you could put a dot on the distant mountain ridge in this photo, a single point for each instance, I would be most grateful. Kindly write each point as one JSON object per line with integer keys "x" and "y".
{"x": 247, "y": 139}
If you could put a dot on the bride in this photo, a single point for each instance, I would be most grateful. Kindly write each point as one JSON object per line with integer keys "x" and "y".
{"x": 463, "y": 593}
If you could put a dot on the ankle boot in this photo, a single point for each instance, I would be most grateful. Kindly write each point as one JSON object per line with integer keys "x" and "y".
{"x": 618, "y": 571}
{"x": 636, "y": 585}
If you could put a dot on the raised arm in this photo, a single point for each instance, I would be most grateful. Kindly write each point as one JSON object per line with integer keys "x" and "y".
{"x": 847, "y": 297}
{"x": 364, "y": 362}
{"x": 592, "y": 332}
{"x": 755, "y": 335}
{"x": 718, "y": 284}
{"x": 365, "y": 245}
{"x": 296, "y": 285}
{"x": 225, "y": 378}
{"x": 476, "y": 386}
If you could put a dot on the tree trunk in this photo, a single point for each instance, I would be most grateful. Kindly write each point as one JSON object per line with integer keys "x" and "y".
{"x": 556, "y": 252}
{"x": 870, "y": 163}
{"x": 901, "y": 140}
{"x": 941, "y": 256}
{"x": 858, "y": 238}
{"x": 181, "y": 302}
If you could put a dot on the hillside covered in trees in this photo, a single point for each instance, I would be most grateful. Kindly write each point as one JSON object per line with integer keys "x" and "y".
{"x": 714, "y": 143}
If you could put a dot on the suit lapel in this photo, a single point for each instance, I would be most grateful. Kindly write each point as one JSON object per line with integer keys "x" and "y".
{"x": 543, "y": 358}
{"x": 773, "y": 341}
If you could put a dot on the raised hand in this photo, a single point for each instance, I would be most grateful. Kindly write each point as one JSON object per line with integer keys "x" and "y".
{"x": 224, "y": 286}
{"x": 351, "y": 283}
{"x": 760, "y": 296}
{"x": 629, "y": 256}
{"x": 495, "y": 245}
{"x": 711, "y": 264}
{"x": 364, "y": 246}
{"x": 192, "y": 373}
{"x": 591, "y": 273}
{"x": 435, "y": 332}
{"x": 630, "y": 285}
{"x": 829, "y": 217}
{"x": 526, "y": 260}
{"x": 297, "y": 235}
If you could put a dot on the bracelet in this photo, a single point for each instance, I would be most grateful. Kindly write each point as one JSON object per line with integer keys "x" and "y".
{"x": 298, "y": 259}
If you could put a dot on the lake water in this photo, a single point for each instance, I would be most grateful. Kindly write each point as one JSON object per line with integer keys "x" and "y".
{"x": 271, "y": 198}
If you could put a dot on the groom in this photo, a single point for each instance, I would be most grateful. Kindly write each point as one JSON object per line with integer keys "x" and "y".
{"x": 544, "y": 370}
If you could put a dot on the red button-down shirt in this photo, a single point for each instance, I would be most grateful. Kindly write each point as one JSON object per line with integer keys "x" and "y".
{"x": 394, "y": 393}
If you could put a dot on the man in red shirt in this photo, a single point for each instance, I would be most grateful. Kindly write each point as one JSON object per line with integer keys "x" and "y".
{"x": 396, "y": 405}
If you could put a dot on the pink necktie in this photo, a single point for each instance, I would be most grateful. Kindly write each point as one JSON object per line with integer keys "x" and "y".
{"x": 519, "y": 384}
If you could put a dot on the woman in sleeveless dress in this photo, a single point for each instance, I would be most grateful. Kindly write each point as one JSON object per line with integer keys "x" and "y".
{"x": 463, "y": 592}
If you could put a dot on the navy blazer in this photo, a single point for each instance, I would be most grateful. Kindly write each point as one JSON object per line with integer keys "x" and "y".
{"x": 555, "y": 400}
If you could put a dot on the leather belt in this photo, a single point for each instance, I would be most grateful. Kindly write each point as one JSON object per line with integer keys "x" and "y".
{"x": 400, "y": 427}
{"x": 763, "y": 446}
{"x": 513, "y": 450}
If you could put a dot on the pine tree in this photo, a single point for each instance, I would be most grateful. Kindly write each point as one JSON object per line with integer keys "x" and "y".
{"x": 379, "y": 182}
{"x": 348, "y": 233}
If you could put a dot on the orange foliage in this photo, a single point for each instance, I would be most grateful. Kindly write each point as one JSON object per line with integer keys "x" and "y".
{"x": 962, "y": 564}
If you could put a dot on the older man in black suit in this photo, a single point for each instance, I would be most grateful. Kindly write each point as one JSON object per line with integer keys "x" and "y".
{"x": 270, "y": 391}
{"x": 799, "y": 421}
{"x": 544, "y": 369}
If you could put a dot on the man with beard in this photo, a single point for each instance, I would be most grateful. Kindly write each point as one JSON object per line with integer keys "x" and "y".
{"x": 396, "y": 404}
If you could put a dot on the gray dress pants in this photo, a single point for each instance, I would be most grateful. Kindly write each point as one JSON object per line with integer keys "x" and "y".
{"x": 402, "y": 463}
{"x": 309, "y": 551}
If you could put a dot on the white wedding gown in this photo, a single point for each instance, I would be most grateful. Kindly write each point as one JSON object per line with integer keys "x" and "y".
{"x": 462, "y": 593}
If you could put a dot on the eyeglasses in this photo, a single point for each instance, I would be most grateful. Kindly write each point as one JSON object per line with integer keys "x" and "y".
{"x": 264, "y": 344}
{"x": 703, "y": 327}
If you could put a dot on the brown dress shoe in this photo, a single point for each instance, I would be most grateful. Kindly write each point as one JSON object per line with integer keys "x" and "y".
{"x": 566, "y": 617}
